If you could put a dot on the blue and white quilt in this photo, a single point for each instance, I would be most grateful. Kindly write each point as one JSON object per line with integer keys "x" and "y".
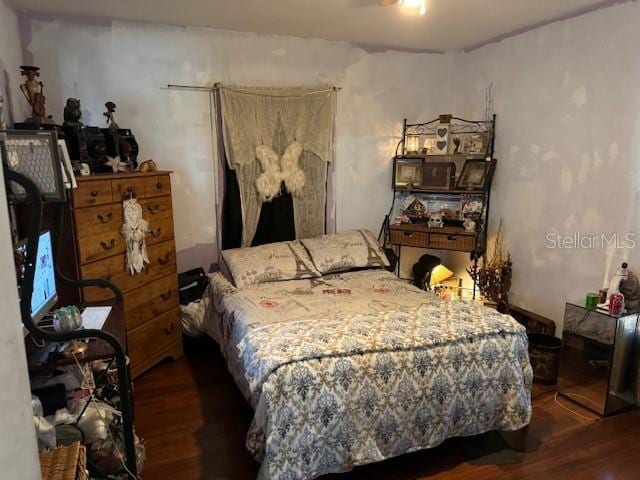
{"x": 359, "y": 367}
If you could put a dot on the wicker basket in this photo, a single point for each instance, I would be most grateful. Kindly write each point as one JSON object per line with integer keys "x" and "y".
{"x": 64, "y": 463}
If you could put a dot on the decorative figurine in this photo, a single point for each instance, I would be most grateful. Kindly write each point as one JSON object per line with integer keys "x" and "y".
{"x": 3, "y": 125}
{"x": 469, "y": 225}
{"x": 630, "y": 288}
{"x": 148, "y": 166}
{"x": 72, "y": 113}
{"x": 436, "y": 220}
{"x": 111, "y": 122}
{"x": 32, "y": 90}
{"x": 117, "y": 165}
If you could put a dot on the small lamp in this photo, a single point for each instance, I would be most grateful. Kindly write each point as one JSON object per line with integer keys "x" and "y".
{"x": 439, "y": 274}
{"x": 413, "y": 144}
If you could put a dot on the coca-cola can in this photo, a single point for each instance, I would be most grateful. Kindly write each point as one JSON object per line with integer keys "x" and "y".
{"x": 616, "y": 303}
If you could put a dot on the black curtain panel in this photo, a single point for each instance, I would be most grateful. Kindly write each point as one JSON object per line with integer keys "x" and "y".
{"x": 276, "y": 223}
{"x": 231, "y": 211}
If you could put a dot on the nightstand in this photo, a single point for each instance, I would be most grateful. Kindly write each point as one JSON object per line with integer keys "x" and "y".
{"x": 597, "y": 364}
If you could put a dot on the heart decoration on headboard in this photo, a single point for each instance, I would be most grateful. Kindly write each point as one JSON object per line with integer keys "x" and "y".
{"x": 441, "y": 145}
{"x": 442, "y": 139}
{"x": 442, "y": 132}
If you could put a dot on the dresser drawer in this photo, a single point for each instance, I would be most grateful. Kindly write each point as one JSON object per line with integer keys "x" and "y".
{"x": 160, "y": 230}
{"x": 96, "y": 220}
{"x": 112, "y": 269}
{"x": 409, "y": 238}
{"x": 146, "y": 303}
{"x": 102, "y": 245}
{"x": 162, "y": 259}
{"x": 154, "y": 208}
{"x": 463, "y": 243}
{"x": 153, "y": 336}
{"x": 157, "y": 186}
{"x": 96, "y": 192}
{"x": 121, "y": 189}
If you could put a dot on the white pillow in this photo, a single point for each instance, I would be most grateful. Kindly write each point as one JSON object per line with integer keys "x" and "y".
{"x": 345, "y": 251}
{"x": 269, "y": 263}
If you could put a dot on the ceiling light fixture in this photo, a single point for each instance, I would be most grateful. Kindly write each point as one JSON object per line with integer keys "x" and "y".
{"x": 420, "y": 5}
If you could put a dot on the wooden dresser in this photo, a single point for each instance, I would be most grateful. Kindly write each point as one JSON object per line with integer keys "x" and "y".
{"x": 151, "y": 305}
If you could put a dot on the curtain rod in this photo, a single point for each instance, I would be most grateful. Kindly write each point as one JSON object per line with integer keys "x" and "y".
{"x": 216, "y": 86}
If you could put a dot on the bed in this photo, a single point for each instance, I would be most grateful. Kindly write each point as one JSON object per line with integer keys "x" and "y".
{"x": 355, "y": 367}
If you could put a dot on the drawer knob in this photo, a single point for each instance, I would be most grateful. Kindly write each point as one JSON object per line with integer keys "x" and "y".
{"x": 168, "y": 330}
{"x": 154, "y": 209}
{"x": 156, "y": 233}
{"x": 159, "y": 186}
{"x": 165, "y": 260}
{"x": 94, "y": 193}
{"x": 110, "y": 245}
{"x": 452, "y": 237}
{"x": 166, "y": 296}
{"x": 105, "y": 218}
{"x": 408, "y": 234}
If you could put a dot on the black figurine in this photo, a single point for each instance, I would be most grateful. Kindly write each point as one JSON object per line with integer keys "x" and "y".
{"x": 72, "y": 113}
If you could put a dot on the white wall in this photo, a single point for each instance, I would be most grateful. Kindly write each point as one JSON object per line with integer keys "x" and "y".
{"x": 18, "y": 449}
{"x": 567, "y": 97}
{"x": 131, "y": 64}
{"x": 10, "y": 61}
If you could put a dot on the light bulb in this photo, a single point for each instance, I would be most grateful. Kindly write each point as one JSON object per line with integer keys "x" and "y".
{"x": 419, "y": 4}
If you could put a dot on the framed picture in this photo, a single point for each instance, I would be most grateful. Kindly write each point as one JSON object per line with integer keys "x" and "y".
{"x": 468, "y": 143}
{"x": 477, "y": 143}
{"x": 474, "y": 174}
{"x": 438, "y": 175}
{"x": 429, "y": 147}
{"x": 408, "y": 173}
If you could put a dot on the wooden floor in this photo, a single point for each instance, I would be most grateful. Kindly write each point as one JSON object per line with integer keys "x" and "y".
{"x": 193, "y": 421}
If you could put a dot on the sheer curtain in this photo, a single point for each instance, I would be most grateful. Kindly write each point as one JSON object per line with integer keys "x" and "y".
{"x": 276, "y": 117}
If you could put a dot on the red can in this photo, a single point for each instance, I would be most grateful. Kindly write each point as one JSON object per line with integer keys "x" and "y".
{"x": 616, "y": 303}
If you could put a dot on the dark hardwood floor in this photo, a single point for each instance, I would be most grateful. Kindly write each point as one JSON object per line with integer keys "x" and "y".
{"x": 193, "y": 421}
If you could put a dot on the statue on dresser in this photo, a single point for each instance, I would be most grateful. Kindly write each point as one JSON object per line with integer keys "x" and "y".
{"x": 32, "y": 90}
{"x": 72, "y": 113}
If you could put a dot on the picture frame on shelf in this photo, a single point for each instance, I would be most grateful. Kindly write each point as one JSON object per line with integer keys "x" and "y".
{"x": 468, "y": 144}
{"x": 408, "y": 173}
{"x": 477, "y": 143}
{"x": 438, "y": 176}
{"x": 474, "y": 175}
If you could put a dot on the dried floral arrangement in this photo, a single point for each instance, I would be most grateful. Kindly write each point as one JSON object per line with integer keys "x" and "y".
{"x": 493, "y": 277}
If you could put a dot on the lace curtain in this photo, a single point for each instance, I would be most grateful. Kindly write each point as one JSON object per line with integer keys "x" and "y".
{"x": 276, "y": 117}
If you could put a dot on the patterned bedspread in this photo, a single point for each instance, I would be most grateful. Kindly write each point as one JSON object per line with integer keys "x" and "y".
{"x": 363, "y": 367}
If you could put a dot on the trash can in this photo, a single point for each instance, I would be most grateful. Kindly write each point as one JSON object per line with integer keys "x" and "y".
{"x": 544, "y": 353}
